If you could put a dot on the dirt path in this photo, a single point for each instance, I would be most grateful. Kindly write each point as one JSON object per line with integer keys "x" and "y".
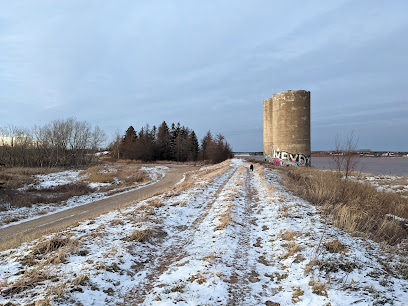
{"x": 175, "y": 248}
{"x": 245, "y": 270}
{"x": 14, "y": 235}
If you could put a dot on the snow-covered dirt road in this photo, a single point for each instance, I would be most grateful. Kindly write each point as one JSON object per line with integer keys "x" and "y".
{"x": 224, "y": 236}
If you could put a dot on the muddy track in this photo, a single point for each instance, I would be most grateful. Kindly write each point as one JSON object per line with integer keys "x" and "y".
{"x": 176, "y": 251}
{"x": 13, "y": 235}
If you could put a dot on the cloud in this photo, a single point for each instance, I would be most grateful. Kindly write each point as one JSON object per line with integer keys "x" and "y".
{"x": 208, "y": 65}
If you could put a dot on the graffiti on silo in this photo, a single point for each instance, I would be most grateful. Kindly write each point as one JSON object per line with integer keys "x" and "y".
{"x": 288, "y": 159}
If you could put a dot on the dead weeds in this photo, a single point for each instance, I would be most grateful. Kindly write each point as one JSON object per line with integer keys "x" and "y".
{"x": 141, "y": 235}
{"x": 354, "y": 206}
{"x": 293, "y": 248}
{"x": 287, "y": 235}
{"x": 318, "y": 287}
{"x": 335, "y": 246}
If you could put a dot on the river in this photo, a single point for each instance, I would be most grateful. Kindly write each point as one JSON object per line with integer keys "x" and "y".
{"x": 376, "y": 165}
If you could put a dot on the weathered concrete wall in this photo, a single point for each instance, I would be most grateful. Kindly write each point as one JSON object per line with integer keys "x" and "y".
{"x": 287, "y": 125}
{"x": 268, "y": 119}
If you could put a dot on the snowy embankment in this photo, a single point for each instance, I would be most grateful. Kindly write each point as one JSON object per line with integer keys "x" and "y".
{"x": 223, "y": 236}
{"x": 23, "y": 214}
{"x": 387, "y": 183}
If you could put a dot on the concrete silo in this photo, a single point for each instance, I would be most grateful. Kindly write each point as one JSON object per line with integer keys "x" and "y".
{"x": 287, "y": 127}
{"x": 268, "y": 135}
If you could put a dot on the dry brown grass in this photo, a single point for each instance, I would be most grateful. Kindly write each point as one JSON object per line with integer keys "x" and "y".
{"x": 128, "y": 174}
{"x": 209, "y": 258}
{"x": 284, "y": 210}
{"x": 57, "y": 290}
{"x": 157, "y": 202}
{"x": 141, "y": 235}
{"x": 51, "y": 251}
{"x": 225, "y": 218}
{"x": 54, "y": 194}
{"x": 17, "y": 177}
{"x": 146, "y": 209}
{"x": 43, "y": 302}
{"x": 270, "y": 188}
{"x": 199, "y": 278}
{"x": 116, "y": 222}
{"x": 297, "y": 293}
{"x": 310, "y": 265}
{"x": 287, "y": 235}
{"x": 129, "y": 161}
{"x": 28, "y": 280}
{"x": 8, "y": 220}
{"x": 318, "y": 287}
{"x": 293, "y": 248}
{"x": 335, "y": 246}
{"x": 281, "y": 276}
{"x": 353, "y": 206}
{"x": 98, "y": 174}
{"x": 132, "y": 176}
{"x": 224, "y": 221}
{"x": 81, "y": 280}
{"x": 50, "y": 245}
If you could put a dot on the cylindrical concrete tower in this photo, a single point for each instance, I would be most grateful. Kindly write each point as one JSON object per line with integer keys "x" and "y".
{"x": 287, "y": 126}
{"x": 268, "y": 135}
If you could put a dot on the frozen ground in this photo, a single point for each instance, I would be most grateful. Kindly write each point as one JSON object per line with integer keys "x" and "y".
{"x": 388, "y": 183}
{"x": 14, "y": 216}
{"x": 223, "y": 236}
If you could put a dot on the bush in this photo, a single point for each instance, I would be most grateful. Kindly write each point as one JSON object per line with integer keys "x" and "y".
{"x": 55, "y": 194}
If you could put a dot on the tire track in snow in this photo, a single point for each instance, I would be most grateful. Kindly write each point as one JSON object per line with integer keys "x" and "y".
{"x": 174, "y": 249}
{"x": 245, "y": 271}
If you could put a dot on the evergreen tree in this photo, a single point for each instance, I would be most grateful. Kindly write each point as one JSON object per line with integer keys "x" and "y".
{"x": 178, "y": 143}
{"x": 206, "y": 146}
{"x": 175, "y": 130}
{"x": 194, "y": 146}
{"x": 145, "y": 144}
{"x": 163, "y": 142}
{"x": 128, "y": 145}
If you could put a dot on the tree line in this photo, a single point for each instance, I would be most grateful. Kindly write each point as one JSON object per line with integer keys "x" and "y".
{"x": 175, "y": 143}
{"x": 60, "y": 143}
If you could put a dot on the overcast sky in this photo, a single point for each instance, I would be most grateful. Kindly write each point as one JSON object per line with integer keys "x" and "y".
{"x": 208, "y": 65}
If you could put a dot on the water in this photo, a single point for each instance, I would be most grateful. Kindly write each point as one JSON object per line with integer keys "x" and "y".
{"x": 376, "y": 165}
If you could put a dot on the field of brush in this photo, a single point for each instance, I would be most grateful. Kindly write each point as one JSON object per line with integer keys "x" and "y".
{"x": 34, "y": 192}
{"x": 223, "y": 235}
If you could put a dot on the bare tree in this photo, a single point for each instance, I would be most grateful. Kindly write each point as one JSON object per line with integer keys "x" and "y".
{"x": 60, "y": 143}
{"x": 346, "y": 158}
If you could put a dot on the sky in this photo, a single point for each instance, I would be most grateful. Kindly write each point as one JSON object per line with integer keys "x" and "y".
{"x": 208, "y": 65}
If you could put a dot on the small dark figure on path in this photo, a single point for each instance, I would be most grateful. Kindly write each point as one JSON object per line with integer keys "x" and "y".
{"x": 251, "y": 167}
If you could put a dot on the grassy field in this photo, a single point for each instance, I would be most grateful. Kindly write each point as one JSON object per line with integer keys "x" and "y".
{"x": 21, "y": 188}
{"x": 356, "y": 206}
